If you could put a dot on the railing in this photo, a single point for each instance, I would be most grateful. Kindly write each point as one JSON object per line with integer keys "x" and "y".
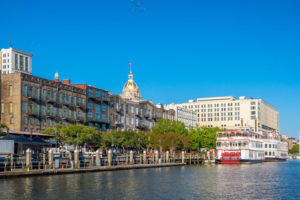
{"x": 70, "y": 160}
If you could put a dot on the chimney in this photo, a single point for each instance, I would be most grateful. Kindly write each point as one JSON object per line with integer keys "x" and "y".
{"x": 67, "y": 81}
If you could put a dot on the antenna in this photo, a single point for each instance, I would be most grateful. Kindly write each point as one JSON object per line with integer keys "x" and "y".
{"x": 10, "y": 42}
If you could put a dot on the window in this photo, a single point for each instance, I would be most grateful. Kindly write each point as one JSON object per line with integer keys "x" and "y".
{"x": 43, "y": 110}
{"x": 44, "y": 122}
{"x": 10, "y": 90}
{"x": 78, "y": 100}
{"x": 103, "y": 95}
{"x": 90, "y": 115}
{"x": 21, "y": 63}
{"x": 78, "y": 114}
{"x": 65, "y": 113}
{"x": 31, "y": 121}
{"x": 44, "y": 94}
{"x": 25, "y": 120}
{"x": 59, "y": 97}
{"x": 49, "y": 111}
{"x": 70, "y": 114}
{"x": 10, "y": 108}
{"x": 74, "y": 100}
{"x": 54, "y": 96}
{"x": 37, "y": 92}
{"x": 31, "y": 108}
{"x": 26, "y": 64}
{"x": 30, "y": 92}
{"x": 90, "y": 91}
{"x": 82, "y": 101}
{"x": 103, "y": 116}
{"x": 59, "y": 112}
{"x": 54, "y": 111}
{"x": 16, "y": 61}
{"x": 2, "y": 107}
{"x": 65, "y": 98}
{"x": 90, "y": 105}
{"x": 103, "y": 108}
{"x": 37, "y": 109}
{"x": 49, "y": 95}
{"x": 37, "y": 121}
{"x": 97, "y": 93}
{"x": 97, "y": 112}
{"x": 69, "y": 99}
{"x": 83, "y": 115}
{"x": 131, "y": 108}
{"x": 11, "y": 120}
{"x": 74, "y": 115}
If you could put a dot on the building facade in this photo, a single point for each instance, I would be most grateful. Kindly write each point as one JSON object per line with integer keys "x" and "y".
{"x": 30, "y": 103}
{"x": 129, "y": 111}
{"x": 14, "y": 61}
{"x": 97, "y": 105}
{"x": 229, "y": 112}
{"x": 186, "y": 116}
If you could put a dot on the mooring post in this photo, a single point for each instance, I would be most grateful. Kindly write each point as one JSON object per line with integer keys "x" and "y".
{"x": 156, "y": 156}
{"x": 11, "y": 161}
{"x": 50, "y": 159}
{"x": 28, "y": 159}
{"x": 44, "y": 160}
{"x": 144, "y": 157}
{"x": 76, "y": 159}
{"x": 97, "y": 158}
{"x": 167, "y": 157}
{"x": 109, "y": 157}
{"x": 131, "y": 157}
{"x": 190, "y": 158}
{"x": 182, "y": 157}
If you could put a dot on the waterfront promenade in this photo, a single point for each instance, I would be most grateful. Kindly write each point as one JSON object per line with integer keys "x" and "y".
{"x": 54, "y": 163}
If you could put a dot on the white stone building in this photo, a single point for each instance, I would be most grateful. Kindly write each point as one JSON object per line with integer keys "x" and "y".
{"x": 229, "y": 112}
{"x": 186, "y": 116}
{"x": 13, "y": 60}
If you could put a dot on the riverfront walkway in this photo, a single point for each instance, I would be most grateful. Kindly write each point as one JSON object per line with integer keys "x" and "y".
{"x": 23, "y": 172}
{"x": 52, "y": 163}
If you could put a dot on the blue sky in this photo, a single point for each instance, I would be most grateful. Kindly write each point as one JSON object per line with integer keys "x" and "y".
{"x": 179, "y": 49}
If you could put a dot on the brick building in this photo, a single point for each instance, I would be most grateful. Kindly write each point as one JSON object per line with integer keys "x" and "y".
{"x": 97, "y": 105}
{"x": 30, "y": 103}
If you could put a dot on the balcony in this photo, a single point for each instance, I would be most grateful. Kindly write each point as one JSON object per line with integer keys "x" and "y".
{"x": 66, "y": 118}
{"x": 33, "y": 114}
{"x": 52, "y": 101}
{"x": 105, "y": 99}
{"x": 141, "y": 126}
{"x": 82, "y": 107}
{"x": 33, "y": 98}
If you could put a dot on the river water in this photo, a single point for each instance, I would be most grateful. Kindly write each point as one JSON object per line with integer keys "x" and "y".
{"x": 278, "y": 180}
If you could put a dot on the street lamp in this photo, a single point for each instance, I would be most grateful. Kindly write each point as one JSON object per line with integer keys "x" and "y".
{"x": 77, "y": 141}
{"x": 112, "y": 141}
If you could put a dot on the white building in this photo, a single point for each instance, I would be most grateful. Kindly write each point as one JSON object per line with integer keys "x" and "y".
{"x": 231, "y": 113}
{"x": 186, "y": 116}
{"x": 13, "y": 60}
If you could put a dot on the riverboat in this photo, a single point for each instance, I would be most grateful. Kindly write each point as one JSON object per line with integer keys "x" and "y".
{"x": 274, "y": 148}
{"x": 239, "y": 146}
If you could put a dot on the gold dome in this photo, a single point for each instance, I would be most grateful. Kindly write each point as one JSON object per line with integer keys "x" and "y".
{"x": 130, "y": 89}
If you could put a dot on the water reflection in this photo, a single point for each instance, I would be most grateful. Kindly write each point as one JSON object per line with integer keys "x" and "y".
{"x": 258, "y": 181}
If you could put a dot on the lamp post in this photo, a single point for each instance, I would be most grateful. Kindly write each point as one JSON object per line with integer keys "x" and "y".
{"x": 112, "y": 141}
{"x": 56, "y": 138}
{"x": 77, "y": 141}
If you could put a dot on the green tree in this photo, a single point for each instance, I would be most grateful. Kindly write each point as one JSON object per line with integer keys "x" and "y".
{"x": 204, "y": 137}
{"x": 294, "y": 150}
{"x": 3, "y": 129}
